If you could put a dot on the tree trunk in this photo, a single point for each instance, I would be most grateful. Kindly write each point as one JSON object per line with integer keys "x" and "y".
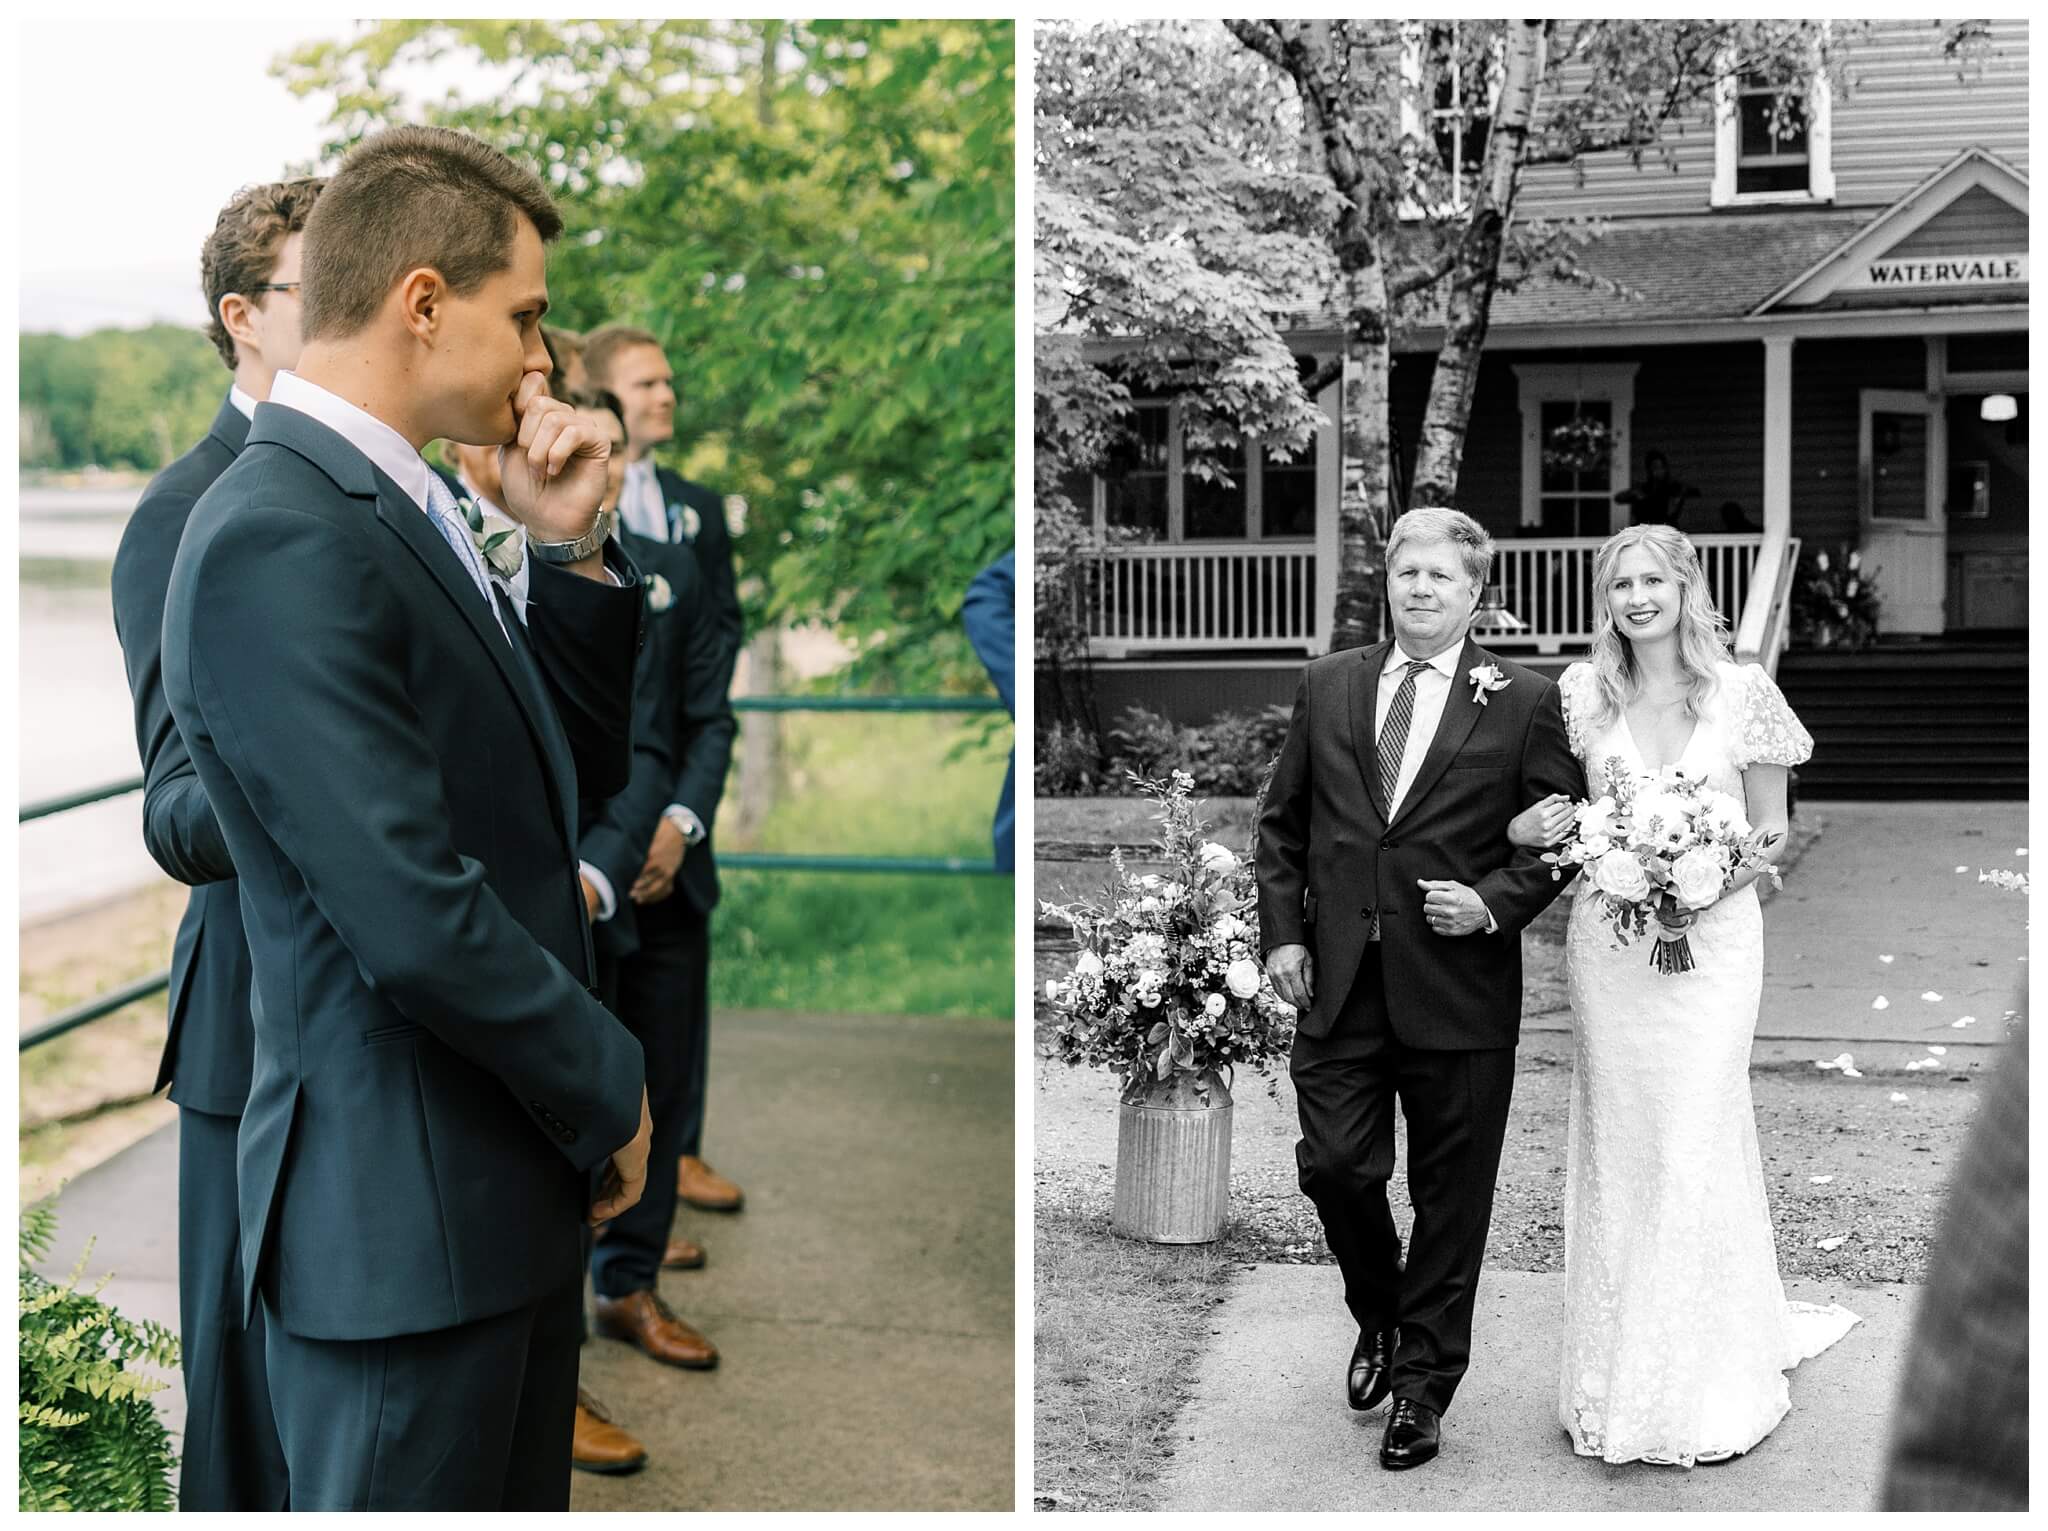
{"x": 1440, "y": 450}
{"x": 1313, "y": 54}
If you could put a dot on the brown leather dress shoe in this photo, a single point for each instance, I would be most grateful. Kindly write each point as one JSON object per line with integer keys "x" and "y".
{"x": 643, "y": 1319}
{"x": 683, "y": 1255}
{"x": 702, "y": 1186}
{"x": 601, "y": 1446}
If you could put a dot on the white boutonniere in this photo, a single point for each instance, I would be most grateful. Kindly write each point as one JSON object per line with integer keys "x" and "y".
{"x": 659, "y": 596}
{"x": 496, "y": 537}
{"x": 688, "y": 520}
{"x": 1485, "y": 678}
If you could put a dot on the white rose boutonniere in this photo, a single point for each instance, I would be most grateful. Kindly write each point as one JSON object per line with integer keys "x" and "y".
{"x": 688, "y": 519}
{"x": 659, "y": 596}
{"x": 1485, "y": 678}
{"x": 497, "y": 538}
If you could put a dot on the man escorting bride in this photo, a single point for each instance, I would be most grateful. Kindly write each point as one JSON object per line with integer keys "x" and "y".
{"x": 1395, "y": 877}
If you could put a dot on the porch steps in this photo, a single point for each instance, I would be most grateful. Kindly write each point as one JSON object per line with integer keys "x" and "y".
{"x": 1944, "y": 720}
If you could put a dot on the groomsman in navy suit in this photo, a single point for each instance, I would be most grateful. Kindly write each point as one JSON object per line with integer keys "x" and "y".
{"x": 656, "y": 964}
{"x": 394, "y": 731}
{"x": 249, "y": 270}
{"x": 659, "y": 506}
{"x": 989, "y": 613}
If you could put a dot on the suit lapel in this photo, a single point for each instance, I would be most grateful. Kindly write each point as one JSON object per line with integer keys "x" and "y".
{"x": 1461, "y": 716}
{"x": 1364, "y": 694}
{"x": 411, "y": 525}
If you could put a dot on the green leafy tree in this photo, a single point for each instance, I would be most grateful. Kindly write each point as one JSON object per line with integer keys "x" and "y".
{"x": 1285, "y": 179}
{"x": 817, "y": 220}
{"x": 90, "y": 1439}
{"x": 119, "y": 398}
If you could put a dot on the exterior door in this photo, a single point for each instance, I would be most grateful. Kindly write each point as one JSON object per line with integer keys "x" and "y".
{"x": 1905, "y": 534}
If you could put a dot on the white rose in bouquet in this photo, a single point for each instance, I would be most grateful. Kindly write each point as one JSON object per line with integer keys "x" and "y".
{"x": 1662, "y": 811}
{"x": 1228, "y": 927}
{"x": 1619, "y": 875}
{"x": 1595, "y": 817}
{"x": 1593, "y": 847}
{"x": 1243, "y": 978}
{"x": 1698, "y": 875}
{"x": 1725, "y": 815}
{"x": 1088, "y": 965}
{"x": 1146, "y": 986}
{"x": 1214, "y": 1006}
{"x": 1217, "y": 858}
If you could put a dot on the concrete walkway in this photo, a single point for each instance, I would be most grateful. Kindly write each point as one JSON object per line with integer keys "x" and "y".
{"x": 863, "y": 1302}
{"x": 1267, "y": 1427}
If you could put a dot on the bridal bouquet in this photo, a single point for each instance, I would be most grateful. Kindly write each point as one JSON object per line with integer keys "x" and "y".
{"x": 1169, "y": 978}
{"x": 1656, "y": 847}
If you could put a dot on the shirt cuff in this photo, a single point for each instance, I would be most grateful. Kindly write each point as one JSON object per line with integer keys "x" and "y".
{"x": 607, "y": 903}
{"x": 691, "y": 826}
{"x": 1492, "y": 925}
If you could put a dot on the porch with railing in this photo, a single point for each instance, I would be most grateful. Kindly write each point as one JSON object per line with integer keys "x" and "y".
{"x": 1164, "y": 600}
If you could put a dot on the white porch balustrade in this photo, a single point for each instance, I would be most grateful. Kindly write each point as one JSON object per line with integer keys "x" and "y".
{"x": 1160, "y": 600}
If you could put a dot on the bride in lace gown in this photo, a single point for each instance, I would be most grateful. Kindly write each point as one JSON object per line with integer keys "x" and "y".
{"x": 1677, "y": 1330}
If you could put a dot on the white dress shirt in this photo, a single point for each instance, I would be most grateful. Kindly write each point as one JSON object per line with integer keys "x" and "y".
{"x": 242, "y": 401}
{"x": 1432, "y": 690}
{"x": 640, "y": 503}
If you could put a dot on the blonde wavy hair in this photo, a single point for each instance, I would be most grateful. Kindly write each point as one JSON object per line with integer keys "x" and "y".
{"x": 1702, "y": 630}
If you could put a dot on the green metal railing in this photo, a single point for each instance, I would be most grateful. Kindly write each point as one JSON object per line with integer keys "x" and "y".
{"x": 744, "y": 861}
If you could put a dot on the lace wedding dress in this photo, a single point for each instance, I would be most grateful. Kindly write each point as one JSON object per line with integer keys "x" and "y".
{"x": 1677, "y": 1331}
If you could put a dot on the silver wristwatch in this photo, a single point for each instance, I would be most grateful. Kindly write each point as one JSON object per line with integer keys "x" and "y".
{"x": 580, "y": 549}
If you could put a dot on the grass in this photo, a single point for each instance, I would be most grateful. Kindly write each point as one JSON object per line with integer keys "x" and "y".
{"x": 1120, "y": 1326}
{"x": 927, "y": 944}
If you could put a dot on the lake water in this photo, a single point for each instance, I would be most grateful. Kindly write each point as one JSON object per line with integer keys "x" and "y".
{"x": 77, "y": 725}
{"x": 77, "y": 729}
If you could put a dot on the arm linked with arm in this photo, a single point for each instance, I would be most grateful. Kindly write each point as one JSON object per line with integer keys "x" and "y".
{"x": 1516, "y": 893}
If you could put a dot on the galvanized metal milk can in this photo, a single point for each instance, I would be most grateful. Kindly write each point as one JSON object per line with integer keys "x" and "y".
{"x": 1173, "y": 1160}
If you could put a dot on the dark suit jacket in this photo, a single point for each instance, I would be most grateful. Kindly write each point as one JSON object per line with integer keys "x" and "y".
{"x": 713, "y": 547}
{"x": 990, "y": 614}
{"x": 210, "y": 1039}
{"x": 397, "y": 784}
{"x": 1328, "y": 857}
{"x": 687, "y": 645}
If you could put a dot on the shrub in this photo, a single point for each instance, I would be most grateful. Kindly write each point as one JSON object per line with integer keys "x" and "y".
{"x": 1068, "y": 762}
{"x": 90, "y": 1440}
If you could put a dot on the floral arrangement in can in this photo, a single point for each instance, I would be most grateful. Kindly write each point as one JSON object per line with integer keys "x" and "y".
{"x": 1659, "y": 848}
{"x": 1168, "y": 979}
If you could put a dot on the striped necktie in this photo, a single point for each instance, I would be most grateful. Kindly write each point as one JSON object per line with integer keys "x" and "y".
{"x": 1393, "y": 740}
{"x": 447, "y": 517}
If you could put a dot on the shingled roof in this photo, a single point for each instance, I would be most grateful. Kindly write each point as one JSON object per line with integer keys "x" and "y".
{"x": 1709, "y": 267}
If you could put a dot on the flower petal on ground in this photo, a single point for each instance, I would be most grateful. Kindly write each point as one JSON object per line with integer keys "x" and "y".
{"x": 1930, "y": 994}
{"x": 1923, "y": 1063}
{"x": 1834, "y": 1243}
{"x": 1880, "y": 1003}
{"x": 1939, "y": 1052}
{"x": 1968, "y": 1020}
{"x": 1819, "y": 1179}
{"x": 1962, "y": 869}
{"x": 1841, "y": 1061}
{"x": 1884, "y": 957}
{"x": 1897, "y": 1097}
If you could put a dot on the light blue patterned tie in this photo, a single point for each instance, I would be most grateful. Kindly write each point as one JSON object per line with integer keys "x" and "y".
{"x": 447, "y": 515}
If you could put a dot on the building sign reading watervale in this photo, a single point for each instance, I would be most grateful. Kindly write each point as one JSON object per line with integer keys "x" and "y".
{"x": 1940, "y": 271}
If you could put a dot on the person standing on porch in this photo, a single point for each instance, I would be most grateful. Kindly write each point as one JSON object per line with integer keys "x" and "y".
{"x": 1658, "y": 498}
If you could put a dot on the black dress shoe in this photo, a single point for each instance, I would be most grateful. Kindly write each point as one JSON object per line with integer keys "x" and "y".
{"x": 1371, "y": 1372}
{"x": 1414, "y": 1432}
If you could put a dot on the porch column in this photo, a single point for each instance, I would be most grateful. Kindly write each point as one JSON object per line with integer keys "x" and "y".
{"x": 1777, "y": 438}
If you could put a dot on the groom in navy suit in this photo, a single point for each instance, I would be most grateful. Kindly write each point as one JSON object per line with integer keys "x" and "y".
{"x": 1391, "y": 906}
{"x": 249, "y": 269}
{"x": 393, "y": 735}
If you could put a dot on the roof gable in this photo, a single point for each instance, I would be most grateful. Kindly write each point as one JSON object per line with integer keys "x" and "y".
{"x": 1935, "y": 232}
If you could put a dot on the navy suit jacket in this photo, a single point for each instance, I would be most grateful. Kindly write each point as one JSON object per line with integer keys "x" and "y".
{"x": 686, "y": 644}
{"x": 397, "y": 783}
{"x": 1328, "y": 857}
{"x": 210, "y": 1040}
{"x": 713, "y": 546}
{"x": 990, "y": 613}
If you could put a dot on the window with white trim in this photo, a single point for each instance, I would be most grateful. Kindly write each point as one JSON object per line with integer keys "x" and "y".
{"x": 1445, "y": 81}
{"x": 1771, "y": 145}
{"x": 1146, "y": 493}
{"x": 1575, "y": 447}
